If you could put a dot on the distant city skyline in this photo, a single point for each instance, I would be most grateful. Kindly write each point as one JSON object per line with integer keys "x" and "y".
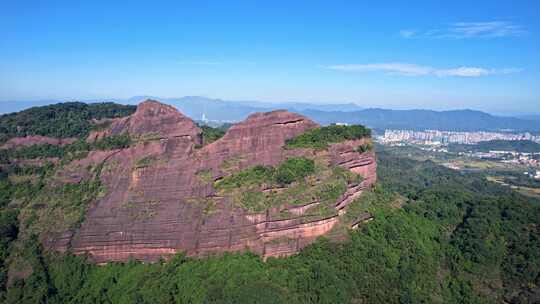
{"x": 447, "y": 137}
{"x": 409, "y": 55}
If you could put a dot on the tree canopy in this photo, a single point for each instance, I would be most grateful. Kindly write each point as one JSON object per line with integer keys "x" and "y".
{"x": 320, "y": 138}
{"x": 62, "y": 120}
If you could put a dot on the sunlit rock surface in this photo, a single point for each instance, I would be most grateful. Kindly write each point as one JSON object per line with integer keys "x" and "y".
{"x": 157, "y": 204}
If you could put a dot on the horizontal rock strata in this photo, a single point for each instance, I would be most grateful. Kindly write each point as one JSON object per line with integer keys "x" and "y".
{"x": 157, "y": 204}
{"x": 19, "y": 142}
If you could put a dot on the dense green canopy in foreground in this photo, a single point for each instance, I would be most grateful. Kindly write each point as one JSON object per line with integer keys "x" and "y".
{"x": 446, "y": 238}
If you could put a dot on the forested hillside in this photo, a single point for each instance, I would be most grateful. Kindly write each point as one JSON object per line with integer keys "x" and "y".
{"x": 523, "y": 146}
{"x": 438, "y": 236}
{"x": 70, "y": 119}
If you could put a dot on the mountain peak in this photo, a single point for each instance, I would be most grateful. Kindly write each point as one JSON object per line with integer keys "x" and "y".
{"x": 153, "y": 107}
{"x": 159, "y": 190}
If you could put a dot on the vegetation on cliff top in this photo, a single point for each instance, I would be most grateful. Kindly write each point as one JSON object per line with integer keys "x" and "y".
{"x": 70, "y": 119}
{"x": 320, "y": 138}
{"x": 75, "y": 150}
{"x": 291, "y": 170}
{"x": 297, "y": 181}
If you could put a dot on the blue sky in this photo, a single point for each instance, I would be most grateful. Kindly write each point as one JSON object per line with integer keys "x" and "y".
{"x": 414, "y": 54}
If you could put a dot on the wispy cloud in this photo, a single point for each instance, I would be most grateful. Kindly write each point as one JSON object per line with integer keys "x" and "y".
{"x": 200, "y": 63}
{"x": 464, "y": 30}
{"x": 407, "y": 33}
{"x": 215, "y": 63}
{"x": 475, "y": 72}
{"x": 407, "y": 69}
{"x": 390, "y": 67}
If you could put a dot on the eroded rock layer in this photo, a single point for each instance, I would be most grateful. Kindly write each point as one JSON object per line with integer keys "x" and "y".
{"x": 18, "y": 142}
{"x": 159, "y": 202}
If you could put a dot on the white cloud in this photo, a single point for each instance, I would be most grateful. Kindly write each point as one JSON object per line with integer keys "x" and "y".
{"x": 475, "y": 72}
{"x": 390, "y": 67}
{"x": 464, "y": 72}
{"x": 509, "y": 70}
{"x": 407, "y": 33}
{"x": 407, "y": 69}
{"x": 215, "y": 63}
{"x": 463, "y": 30}
{"x": 486, "y": 29}
{"x": 200, "y": 63}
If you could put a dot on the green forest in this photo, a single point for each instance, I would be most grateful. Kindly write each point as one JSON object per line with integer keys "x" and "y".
{"x": 75, "y": 150}
{"x": 523, "y": 146}
{"x": 320, "y": 138}
{"x": 63, "y": 120}
{"x": 211, "y": 134}
{"x": 438, "y": 236}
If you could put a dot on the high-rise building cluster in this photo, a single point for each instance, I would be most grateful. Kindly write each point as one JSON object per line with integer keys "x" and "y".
{"x": 447, "y": 137}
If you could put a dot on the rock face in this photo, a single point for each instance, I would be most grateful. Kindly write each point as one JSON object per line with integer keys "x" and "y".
{"x": 26, "y": 141}
{"x": 157, "y": 204}
{"x": 153, "y": 120}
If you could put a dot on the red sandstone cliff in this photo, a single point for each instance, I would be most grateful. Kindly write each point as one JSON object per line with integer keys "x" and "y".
{"x": 30, "y": 140}
{"x": 156, "y": 205}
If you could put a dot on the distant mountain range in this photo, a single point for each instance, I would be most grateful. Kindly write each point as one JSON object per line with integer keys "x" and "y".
{"x": 456, "y": 120}
{"x": 530, "y": 117}
{"x": 230, "y": 111}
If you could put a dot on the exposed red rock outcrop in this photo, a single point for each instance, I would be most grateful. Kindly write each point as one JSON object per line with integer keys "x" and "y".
{"x": 153, "y": 120}
{"x": 18, "y": 142}
{"x": 156, "y": 204}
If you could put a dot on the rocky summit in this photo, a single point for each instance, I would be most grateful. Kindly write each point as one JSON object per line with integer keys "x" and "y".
{"x": 171, "y": 192}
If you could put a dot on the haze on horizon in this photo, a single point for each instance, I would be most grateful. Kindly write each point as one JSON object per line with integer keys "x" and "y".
{"x": 417, "y": 54}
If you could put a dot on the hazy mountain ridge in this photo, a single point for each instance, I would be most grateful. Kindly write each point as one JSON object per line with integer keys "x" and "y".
{"x": 416, "y": 119}
{"x": 455, "y": 120}
{"x": 535, "y": 117}
{"x": 226, "y": 110}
